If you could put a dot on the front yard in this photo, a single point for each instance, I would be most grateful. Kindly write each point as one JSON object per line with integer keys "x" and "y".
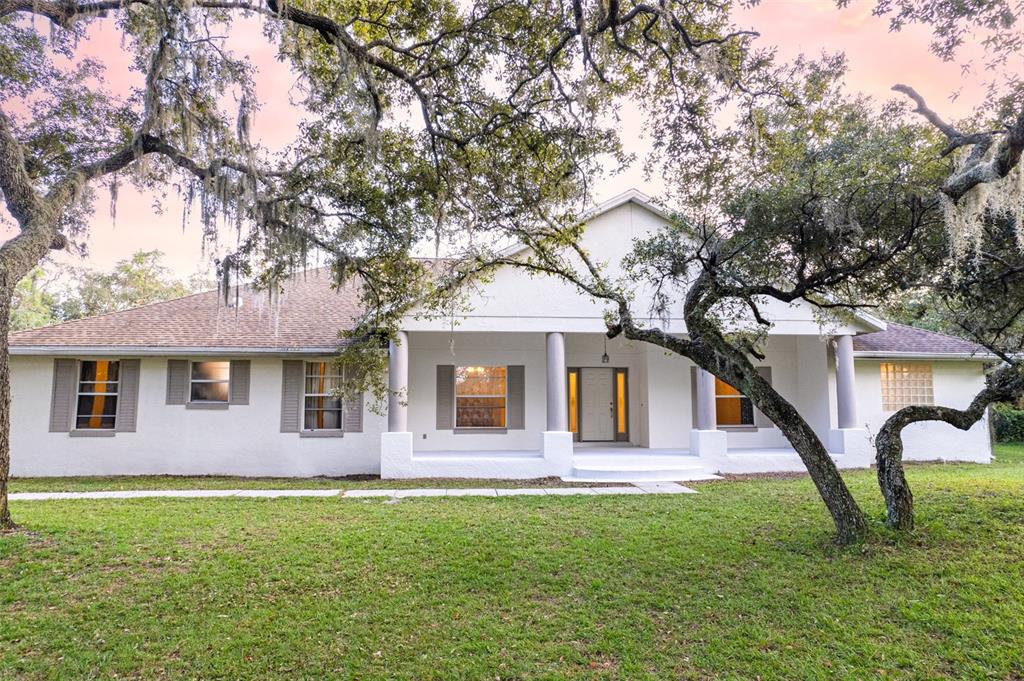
{"x": 737, "y": 581}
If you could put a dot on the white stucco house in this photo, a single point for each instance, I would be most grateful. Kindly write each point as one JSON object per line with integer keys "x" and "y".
{"x": 519, "y": 384}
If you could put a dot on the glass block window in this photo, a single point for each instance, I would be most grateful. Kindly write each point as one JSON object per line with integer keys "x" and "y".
{"x": 98, "y": 383}
{"x": 209, "y": 381}
{"x": 481, "y": 397}
{"x": 906, "y": 384}
{"x": 322, "y": 409}
{"x": 732, "y": 408}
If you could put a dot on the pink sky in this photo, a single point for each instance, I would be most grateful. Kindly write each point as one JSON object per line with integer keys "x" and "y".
{"x": 877, "y": 58}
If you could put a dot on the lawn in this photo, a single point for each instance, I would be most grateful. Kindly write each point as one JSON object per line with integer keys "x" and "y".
{"x": 165, "y": 482}
{"x": 739, "y": 581}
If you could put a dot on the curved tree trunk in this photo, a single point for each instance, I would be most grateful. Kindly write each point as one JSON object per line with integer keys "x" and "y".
{"x": 849, "y": 519}
{"x": 5, "y": 405}
{"x": 732, "y": 366}
{"x": 1005, "y": 383}
{"x": 899, "y": 500}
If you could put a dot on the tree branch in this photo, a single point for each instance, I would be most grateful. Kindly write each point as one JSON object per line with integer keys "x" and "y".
{"x": 982, "y": 165}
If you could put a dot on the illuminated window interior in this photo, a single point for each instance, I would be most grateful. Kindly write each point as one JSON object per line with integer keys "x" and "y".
{"x": 97, "y": 394}
{"x": 621, "y": 414}
{"x": 731, "y": 407}
{"x": 481, "y": 396}
{"x": 574, "y": 401}
{"x": 906, "y": 384}
{"x": 323, "y": 401}
{"x": 209, "y": 381}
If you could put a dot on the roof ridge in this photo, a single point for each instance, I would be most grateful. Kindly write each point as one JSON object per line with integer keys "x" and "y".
{"x": 115, "y": 312}
{"x": 146, "y": 305}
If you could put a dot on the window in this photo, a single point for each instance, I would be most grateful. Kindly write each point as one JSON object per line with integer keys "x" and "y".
{"x": 732, "y": 408}
{"x": 480, "y": 397}
{"x": 322, "y": 410}
{"x": 904, "y": 385}
{"x": 621, "y": 409}
{"x": 98, "y": 382}
{"x": 574, "y": 401}
{"x": 209, "y": 381}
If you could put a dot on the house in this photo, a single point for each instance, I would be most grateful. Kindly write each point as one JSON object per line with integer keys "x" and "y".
{"x": 522, "y": 383}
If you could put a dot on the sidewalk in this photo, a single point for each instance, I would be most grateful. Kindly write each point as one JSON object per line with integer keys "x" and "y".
{"x": 637, "y": 488}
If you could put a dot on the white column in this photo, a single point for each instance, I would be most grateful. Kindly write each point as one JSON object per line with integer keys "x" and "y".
{"x": 398, "y": 384}
{"x": 846, "y": 393}
{"x": 558, "y": 410}
{"x": 706, "y": 418}
{"x": 706, "y": 441}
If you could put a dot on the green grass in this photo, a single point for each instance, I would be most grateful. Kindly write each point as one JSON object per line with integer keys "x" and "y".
{"x": 164, "y": 482}
{"x": 739, "y": 581}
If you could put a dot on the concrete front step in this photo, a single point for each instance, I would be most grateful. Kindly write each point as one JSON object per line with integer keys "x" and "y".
{"x": 638, "y": 468}
{"x": 690, "y": 475}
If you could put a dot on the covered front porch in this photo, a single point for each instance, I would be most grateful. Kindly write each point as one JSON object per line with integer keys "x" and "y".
{"x": 578, "y": 406}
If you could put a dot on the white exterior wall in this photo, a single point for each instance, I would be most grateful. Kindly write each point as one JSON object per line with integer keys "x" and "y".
{"x": 815, "y": 395}
{"x": 517, "y": 301}
{"x": 659, "y": 383}
{"x": 428, "y": 350}
{"x": 955, "y": 384}
{"x": 170, "y": 439}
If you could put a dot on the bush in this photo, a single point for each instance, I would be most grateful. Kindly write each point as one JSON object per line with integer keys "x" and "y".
{"x": 1008, "y": 423}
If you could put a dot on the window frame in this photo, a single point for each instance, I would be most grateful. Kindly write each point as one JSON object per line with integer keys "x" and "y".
{"x": 79, "y": 394}
{"x": 210, "y": 403}
{"x": 892, "y": 404}
{"x": 738, "y": 396}
{"x": 455, "y": 399}
{"x": 341, "y": 399}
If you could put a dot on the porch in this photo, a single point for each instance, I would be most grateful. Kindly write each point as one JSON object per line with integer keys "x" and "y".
{"x": 574, "y": 405}
{"x": 605, "y": 464}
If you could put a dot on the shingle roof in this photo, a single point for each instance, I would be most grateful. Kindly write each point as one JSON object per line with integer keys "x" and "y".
{"x": 900, "y": 339}
{"x": 308, "y": 315}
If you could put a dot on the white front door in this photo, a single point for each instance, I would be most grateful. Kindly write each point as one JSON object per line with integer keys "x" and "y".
{"x": 597, "y": 399}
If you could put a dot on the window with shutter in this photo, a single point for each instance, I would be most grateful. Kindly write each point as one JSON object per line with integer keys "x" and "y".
{"x": 322, "y": 408}
{"x": 98, "y": 388}
{"x": 481, "y": 397}
{"x": 209, "y": 381}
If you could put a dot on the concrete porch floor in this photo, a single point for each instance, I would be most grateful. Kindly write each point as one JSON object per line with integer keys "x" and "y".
{"x": 623, "y": 462}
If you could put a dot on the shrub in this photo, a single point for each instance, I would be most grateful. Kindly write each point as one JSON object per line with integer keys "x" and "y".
{"x": 1008, "y": 423}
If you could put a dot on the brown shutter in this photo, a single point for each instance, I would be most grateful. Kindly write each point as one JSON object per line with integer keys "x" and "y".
{"x": 352, "y": 413}
{"x": 445, "y": 397}
{"x": 760, "y": 420}
{"x": 238, "y": 382}
{"x": 292, "y": 394}
{"x": 177, "y": 381}
{"x": 352, "y": 407}
{"x": 65, "y": 390}
{"x": 128, "y": 397}
{"x": 516, "y": 397}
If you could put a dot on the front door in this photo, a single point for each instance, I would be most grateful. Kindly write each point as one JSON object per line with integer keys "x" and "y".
{"x": 597, "y": 405}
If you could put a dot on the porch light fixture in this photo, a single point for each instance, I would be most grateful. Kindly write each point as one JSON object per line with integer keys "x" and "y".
{"x": 604, "y": 358}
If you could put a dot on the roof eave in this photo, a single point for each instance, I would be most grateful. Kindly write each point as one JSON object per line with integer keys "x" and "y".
{"x": 963, "y": 356}
{"x": 163, "y": 351}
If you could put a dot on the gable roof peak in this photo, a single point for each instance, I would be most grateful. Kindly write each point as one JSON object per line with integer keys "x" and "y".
{"x": 631, "y": 195}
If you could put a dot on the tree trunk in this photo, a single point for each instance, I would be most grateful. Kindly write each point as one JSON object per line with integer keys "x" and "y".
{"x": 851, "y": 525}
{"x": 710, "y": 351}
{"x": 6, "y": 291}
{"x": 899, "y": 500}
{"x": 1004, "y": 384}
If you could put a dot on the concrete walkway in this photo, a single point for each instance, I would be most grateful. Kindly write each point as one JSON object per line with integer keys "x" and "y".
{"x": 638, "y": 488}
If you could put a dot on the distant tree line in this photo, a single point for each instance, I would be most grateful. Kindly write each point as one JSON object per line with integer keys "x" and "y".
{"x": 42, "y": 300}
